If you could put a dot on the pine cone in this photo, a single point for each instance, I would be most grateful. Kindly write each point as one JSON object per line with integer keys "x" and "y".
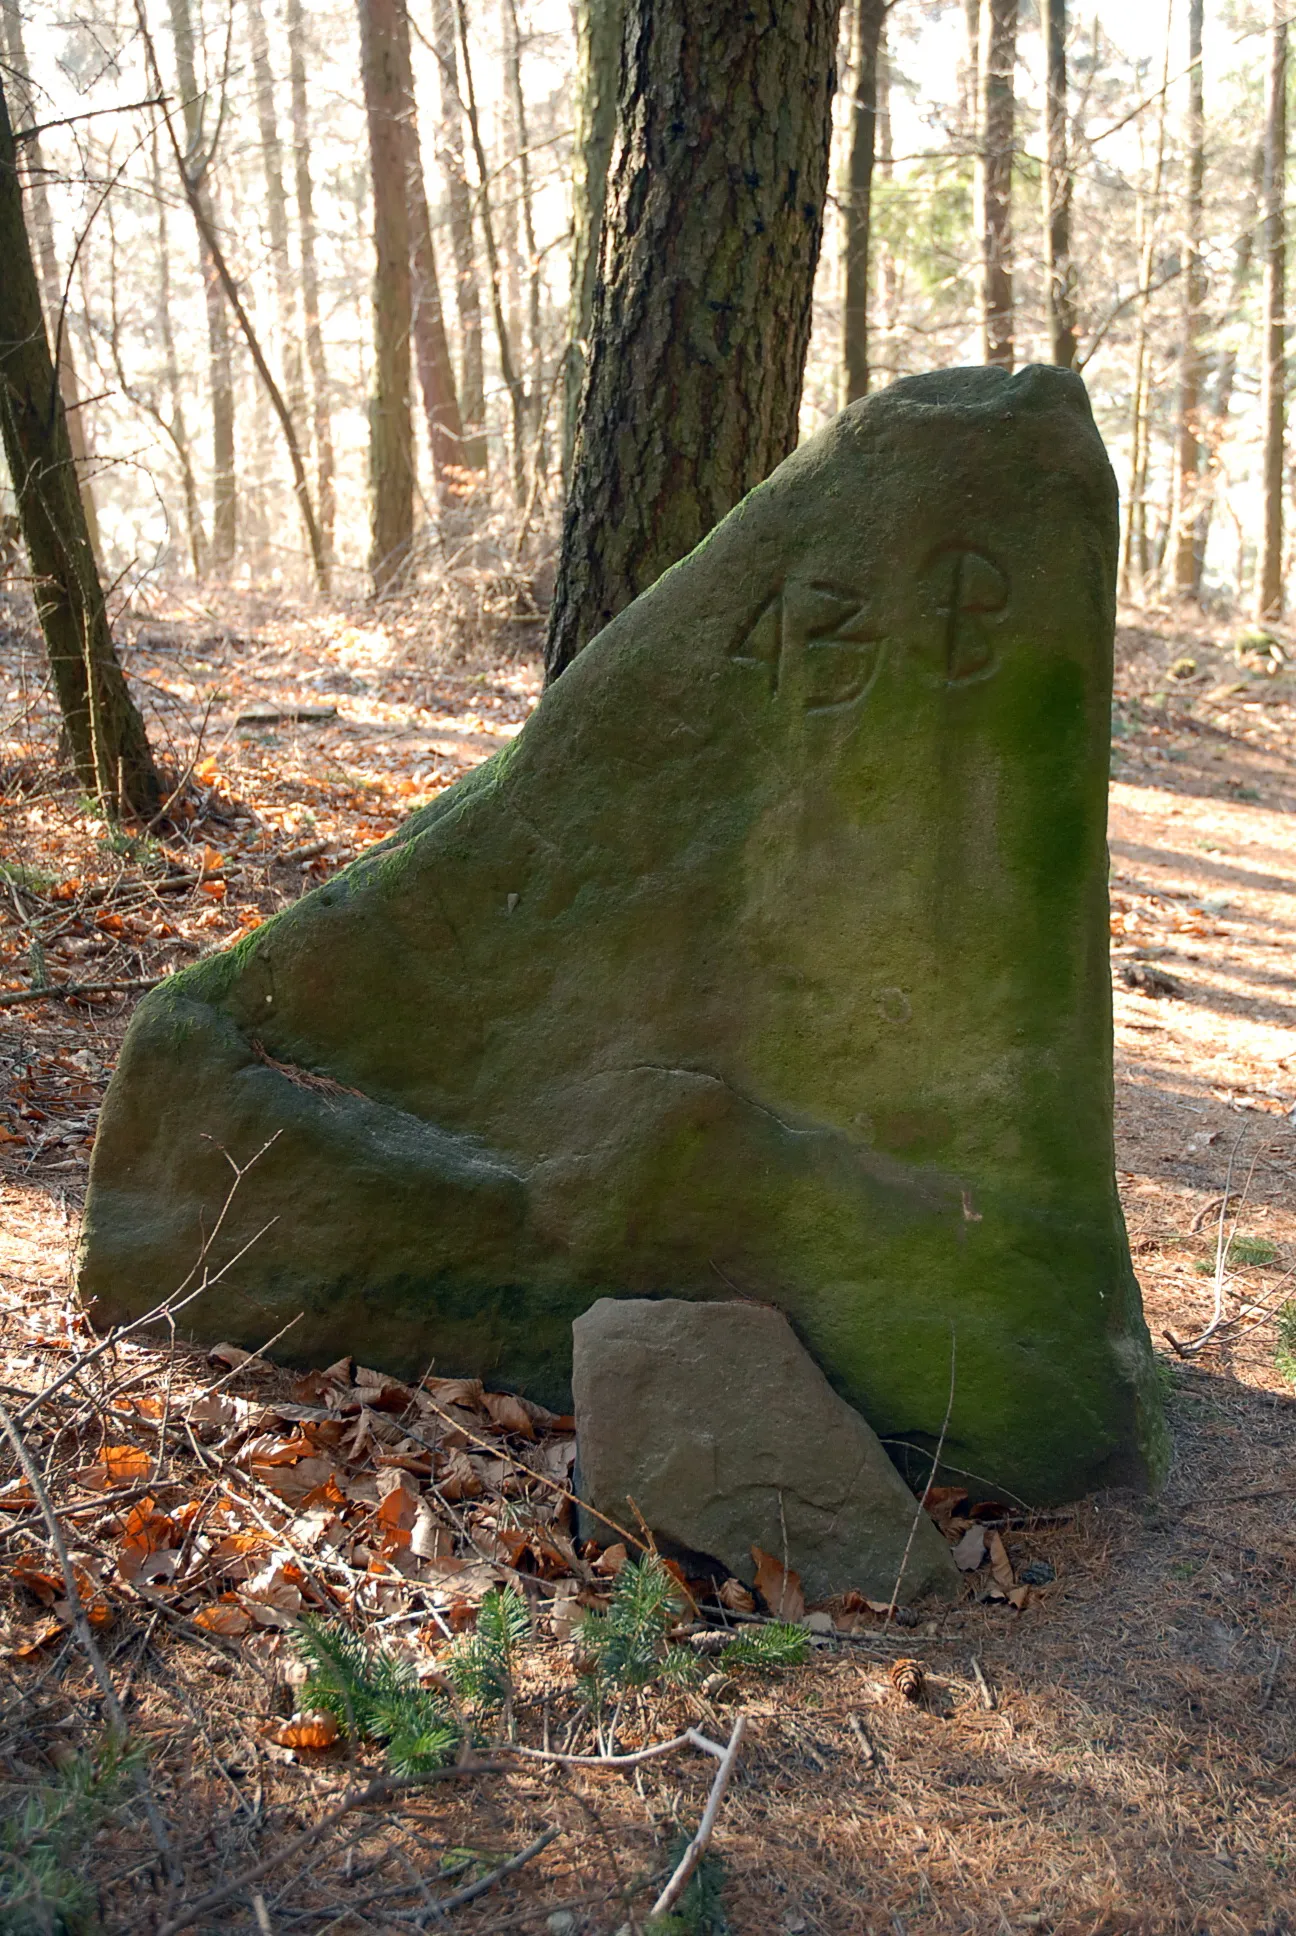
{"x": 908, "y": 1678}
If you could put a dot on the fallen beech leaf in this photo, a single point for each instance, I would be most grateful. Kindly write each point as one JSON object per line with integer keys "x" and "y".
{"x": 1000, "y": 1564}
{"x": 206, "y": 772}
{"x": 779, "y": 1589}
{"x": 456, "y": 1391}
{"x": 611, "y": 1560}
{"x": 10, "y": 1135}
{"x": 942, "y": 1501}
{"x": 214, "y": 1411}
{"x": 226, "y": 1616}
{"x": 459, "y": 1477}
{"x": 212, "y": 860}
{"x": 117, "y": 1465}
{"x": 16, "y": 1495}
{"x": 38, "y": 1638}
{"x": 46, "y": 1586}
{"x": 734, "y": 1595}
{"x": 316, "y": 1728}
{"x": 429, "y": 1538}
{"x": 66, "y": 890}
{"x": 508, "y": 1413}
{"x": 217, "y": 890}
{"x": 971, "y": 1549}
{"x": 229, "y": 1355}
{"x": 267, "y": 1448}
{"x": 97, "y": 1611}
{"x": 398, "y": 1497}
{"x": 1017, "y": 1596}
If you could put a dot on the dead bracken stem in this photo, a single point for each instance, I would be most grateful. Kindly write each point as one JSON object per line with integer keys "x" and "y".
{"x": 931, "y": 1480}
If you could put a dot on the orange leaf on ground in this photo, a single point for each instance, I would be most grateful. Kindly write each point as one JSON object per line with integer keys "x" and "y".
{"x": 46, "y": 1586}
{"x": 216, "y": 889}
{"x": 398, "y": 1498}
{"x": 778, "y": 1587}
{"x": 611, "y": 1559}
{"x": 226, "y": 1616}
{"x": 734, "y": 1595}
{"x": 206, "y": 772}
{"x": 316, "y": 1728}
{"x": 508, "y": 1413}
{"x": 40, "y": 1637}
{"x": 117, "y": 1465}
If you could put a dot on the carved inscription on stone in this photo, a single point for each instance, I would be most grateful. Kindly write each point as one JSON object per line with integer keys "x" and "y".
{"x": 966, "y": 592}
{"x": 819, "y": 645}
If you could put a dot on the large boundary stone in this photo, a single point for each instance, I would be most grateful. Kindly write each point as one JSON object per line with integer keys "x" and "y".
{"x": 771, "y": 958}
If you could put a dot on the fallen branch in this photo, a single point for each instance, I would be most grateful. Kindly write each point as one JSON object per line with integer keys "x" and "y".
{"x": 70, "y": 990}
{"x": 376, "y": 1791}
{"x": 471, "y": 1890}
{"x": 697, "y": 1848}
{"x": 691, "y": 1738}
{"x": 987, "y": 1693}
{"x": 81, "y": 1628}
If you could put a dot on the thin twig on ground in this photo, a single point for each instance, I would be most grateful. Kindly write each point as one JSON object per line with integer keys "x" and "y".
{"x": 931, "y": 1479}
{"x": 697, "y": 1848}
{"x": 471, "y": 1890}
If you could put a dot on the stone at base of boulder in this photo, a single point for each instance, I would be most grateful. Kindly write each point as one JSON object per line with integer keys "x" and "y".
{"x": 724, "y": 1433}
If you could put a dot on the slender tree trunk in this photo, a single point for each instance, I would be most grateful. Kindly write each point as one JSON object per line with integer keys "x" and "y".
{"x": 1136, "y": 532}
{"x": 702, "y": 307}
{"x": 969, "y": 75}
{"x": 277, "y": 214}
{"x": 198, "y": 161}
{"x": 1221, "y": 399}
{"x": 176, "y": 428}
{"x": 104, "y": 730}
{"x": 391, "y": 444}
{"x": 1269, "y": 574}
{"x": 535, "y": 346}
{"x": 50, "y": 280}
{"x": 888, "y": 268}
{"x": 997, "y": 64}
{"x": 599, "y": 27}
{"x": 1187, "y": 560}
{"x": 431, "y": 350}
{"x": 504, "y": 342}
{"x": 450, "y": 157}
{"x": 1059, "y": 267}
{"x": 320, "y": 411}
{"x": 857, "y": 196}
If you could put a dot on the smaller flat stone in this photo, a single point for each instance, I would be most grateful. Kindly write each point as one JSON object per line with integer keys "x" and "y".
{"x": 724, "y": 1432}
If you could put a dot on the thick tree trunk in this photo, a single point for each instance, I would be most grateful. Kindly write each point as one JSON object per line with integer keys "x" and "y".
{"x": 104, "y": 730}
{"x": 320, "y": 412}
{"x": 1059, "y": 267}
{"x": 599, "y": 28}
{"x": 391, "y": 444}
{"x": 857, "y": 195}
{"x": 277, "y": 215}
{"x": 1187, "y": 559}
{"x": 450, "y": 158}
{"x": 431, "y": 350}
{"x": 1269, "y": 571}
{"x": 198, "y": 161}
{"x": 997, "y": 64}
{"x": 702, "y": 307}
{"x": 50, "y": 280}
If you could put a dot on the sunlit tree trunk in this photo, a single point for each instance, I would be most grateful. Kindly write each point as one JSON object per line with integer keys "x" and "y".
{"x": 321, "y": 414}
{"x": 391, "y": 443}
{"x": 526, "y": 201}
{"x": 997, "y": 64}
{"x": 431, "y": 350}
{"x": 50, "y": 281}
{"x": 857, "y": 195}
{"x": 1269, "y": 572}
{"x": 1059, "y": 267}
{"x": 599, "y": 26}
{"x": 105, "y": 733}
{"x": 888, "y": 279}
{"x": 198, "y": 160}
{"x": 277, "y": 216}
{"x": 702, "y": 306}
{"x": 1186, "y": 555}
{"x": 175, "y": 426}
{"x": 450, "y": 157}
{"x": 1135, "y": 545}
{"x": 1221, "y": 398}
{"x": 969, "y": 74}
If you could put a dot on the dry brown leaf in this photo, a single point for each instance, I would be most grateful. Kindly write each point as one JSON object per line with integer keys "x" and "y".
{"x": 429, "y": 1538}
{"x": 398, "y": 1499}
{"x": 942, "y": 1502}
{"x": 117, "y": 1465}
{"x": 316, "y": 1728}
{"x": 225, "y": 1616}
{"x": 971, "y": 1549}
{"x": 16, "y": 1496}
{"x": 508, "y": 1414}
{"x": 37, "y": 1638}
{"x": 229, "y": 1355}
{"x": 779, "y": 1588}
{"x": 44, "y": 1585}
{"x": 456, "y": 1391}
{"x": 1000, "y": 1564}
{"x": 215, "y": 1411}
{"x": 458, "y": 1477}
{"x": 734, "y": 1595}
{"x": 611, "y": 1560}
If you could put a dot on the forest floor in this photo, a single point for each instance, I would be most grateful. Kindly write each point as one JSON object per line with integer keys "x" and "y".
{"x": 1127, "y": 1765}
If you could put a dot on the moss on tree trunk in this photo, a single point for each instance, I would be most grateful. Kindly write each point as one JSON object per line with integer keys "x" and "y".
{"x": 702, "y": 303}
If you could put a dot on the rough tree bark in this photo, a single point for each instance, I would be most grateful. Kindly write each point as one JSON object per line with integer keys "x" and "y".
{"x": 105, "y": 733}
{"x": 599, "y": 28}
{"x": 1059, "y": 266}
{"x": 702, "y": 306}
{"x": 391, "y": 443}
{"x": 50, "y": 281}
{"x": 1187, "y": 559}
{"x": 321, "y": 414}
{"x": 198, "y": 160}
{"x": 997, "y": 62}
{"x": 277, "y": 215}
{"x": 450, "y": 159}
{"x": 857, "y": 195}
{"x": 1273, "y": 395}
{"x": 431, "y": 350}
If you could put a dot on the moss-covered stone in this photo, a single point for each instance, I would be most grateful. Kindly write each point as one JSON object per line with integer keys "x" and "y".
{"x": 770, "y": 958}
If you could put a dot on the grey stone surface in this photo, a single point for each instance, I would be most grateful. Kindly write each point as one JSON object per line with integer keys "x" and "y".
{"x": 726, "y": 1434}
